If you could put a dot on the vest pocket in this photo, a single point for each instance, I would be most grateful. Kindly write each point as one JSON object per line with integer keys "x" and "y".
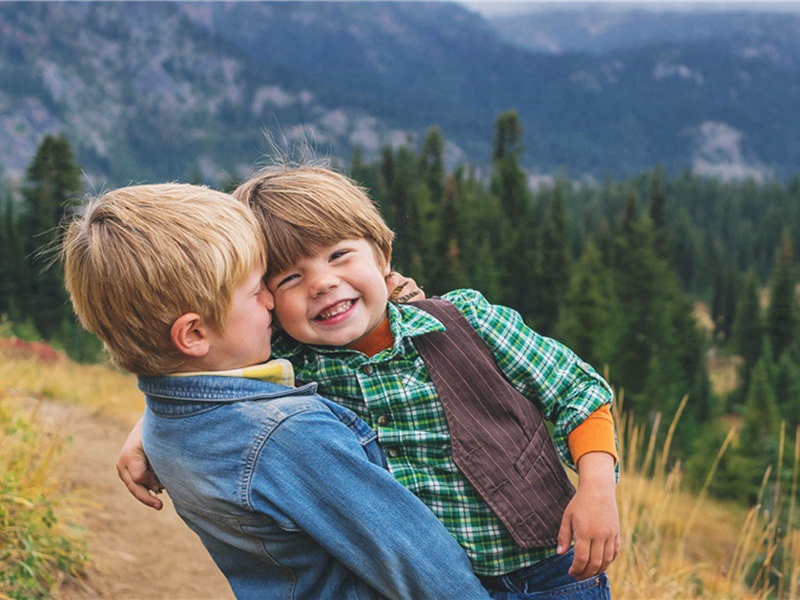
{"x": 534, "y": 450}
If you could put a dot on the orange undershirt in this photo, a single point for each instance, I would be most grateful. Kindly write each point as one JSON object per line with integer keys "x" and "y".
{"x": 595, "y": 434}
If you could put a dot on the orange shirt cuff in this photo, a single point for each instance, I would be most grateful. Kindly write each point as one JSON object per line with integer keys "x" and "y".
{"x": 595, "y": 434}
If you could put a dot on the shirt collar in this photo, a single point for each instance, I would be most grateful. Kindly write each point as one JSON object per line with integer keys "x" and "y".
{"x": 278, "y": 371}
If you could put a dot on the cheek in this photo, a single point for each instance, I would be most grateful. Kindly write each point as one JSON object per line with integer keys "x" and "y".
{"x": 286, "y": 312}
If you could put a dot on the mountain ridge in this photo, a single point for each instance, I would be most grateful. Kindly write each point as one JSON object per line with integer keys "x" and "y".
{"x": 163, "y": 90}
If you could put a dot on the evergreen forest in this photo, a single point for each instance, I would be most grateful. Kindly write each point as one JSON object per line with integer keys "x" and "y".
{"x": 656, "y": 280}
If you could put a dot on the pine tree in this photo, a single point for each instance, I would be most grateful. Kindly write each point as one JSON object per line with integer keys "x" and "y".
{"x": 748, "y": 329}
{"x": 432, "y": 164}
{"x": 787, "y": 385}
{"x": 510, "y": 189}
{"x": 51, "y": 184}
{"x": 782, "y": 313}
{"x": 758, "y": 441}
{"x": 451, "y": 272}
{"x": 586, "y": 323}
{"x": 658, "y": 215}
{"x": 551, "y": 268}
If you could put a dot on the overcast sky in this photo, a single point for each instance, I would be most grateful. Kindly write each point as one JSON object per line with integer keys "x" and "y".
{"x": 504, "y": 6}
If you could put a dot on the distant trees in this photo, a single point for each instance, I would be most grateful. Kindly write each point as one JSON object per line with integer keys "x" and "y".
{"x": 32, "y": 292}
{"x": 612, "y": 269}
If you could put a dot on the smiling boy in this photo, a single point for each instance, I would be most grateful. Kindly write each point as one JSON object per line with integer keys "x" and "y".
{"x": 460, "y": 433}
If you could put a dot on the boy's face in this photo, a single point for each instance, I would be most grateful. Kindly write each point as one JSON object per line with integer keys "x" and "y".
{"x": 333, "y": 298}
{"x": 247, "y": 334}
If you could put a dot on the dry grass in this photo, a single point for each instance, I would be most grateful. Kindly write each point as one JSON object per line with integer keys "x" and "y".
{"x": 41, "y": 543}
{"x": 680, "y": 545}
{"x": 101, "y": 388}
{"x": 41, "y": 540}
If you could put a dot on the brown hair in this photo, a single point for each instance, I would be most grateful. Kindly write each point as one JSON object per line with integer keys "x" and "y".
{"x": 303, "y": 209}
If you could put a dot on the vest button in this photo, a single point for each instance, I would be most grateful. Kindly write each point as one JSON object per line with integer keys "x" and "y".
{"x": 383, "y": 420}
{"x": 367, "y": 369}
{"x": 394, "y": 452}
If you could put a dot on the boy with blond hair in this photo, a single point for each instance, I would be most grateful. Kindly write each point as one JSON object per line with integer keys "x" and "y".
{"x": 286, "y": 489}
{"x": 455, "y": 388}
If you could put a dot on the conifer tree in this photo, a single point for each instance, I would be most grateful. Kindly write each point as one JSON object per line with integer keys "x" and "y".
{"x": 748, "y": 329}
{"x": 758, "y": 441}
{"x": 551, "y": 267}
{"x": 787, "y": 385}
{"x": 586, "y": 323}
{"x": 510, "y": 189}
{"x": 432, "y": 164}
{"x": 658, "y": 215}
{"x": 450, "y": 273}
{"x": 782, "y": 313}
{"x": 51, "y": 183}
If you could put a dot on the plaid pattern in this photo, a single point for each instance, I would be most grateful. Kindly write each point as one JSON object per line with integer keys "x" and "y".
{"x": 393, "y": 392}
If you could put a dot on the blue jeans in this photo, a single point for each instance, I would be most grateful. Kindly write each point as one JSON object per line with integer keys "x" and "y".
{"x": 548, "y": 580}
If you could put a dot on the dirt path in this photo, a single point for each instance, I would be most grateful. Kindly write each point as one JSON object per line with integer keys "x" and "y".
{"x": 136, "y": 552}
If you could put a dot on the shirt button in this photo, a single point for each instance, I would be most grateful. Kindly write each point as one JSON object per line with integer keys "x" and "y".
{"x": 367, "y": 369}
{"x": 383, "y": 420}
{"x": 394, "y": 452}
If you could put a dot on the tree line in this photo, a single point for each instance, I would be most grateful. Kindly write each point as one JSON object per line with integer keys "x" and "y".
{"x": 614, "y": 269}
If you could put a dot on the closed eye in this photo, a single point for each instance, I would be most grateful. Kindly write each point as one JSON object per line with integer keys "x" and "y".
{"x": 286, "y": 280}
{"x": 339, "y": 254}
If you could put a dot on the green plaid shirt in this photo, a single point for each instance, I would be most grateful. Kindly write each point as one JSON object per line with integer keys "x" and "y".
{"x": 393, "y": 392}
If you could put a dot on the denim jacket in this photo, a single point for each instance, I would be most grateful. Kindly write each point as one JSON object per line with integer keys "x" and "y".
{"x": 290, "y": 495}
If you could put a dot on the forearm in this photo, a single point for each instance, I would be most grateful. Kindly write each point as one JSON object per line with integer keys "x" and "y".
{"x": 596, "y": 471}
{"x": 365, "y": 518}
{"x": 135, "y": 472}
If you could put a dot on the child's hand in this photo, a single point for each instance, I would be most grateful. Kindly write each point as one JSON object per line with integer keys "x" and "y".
{"x": 592, "y": 518}
{"x": 134, "y": 470}
{"x": 403, "y": 289}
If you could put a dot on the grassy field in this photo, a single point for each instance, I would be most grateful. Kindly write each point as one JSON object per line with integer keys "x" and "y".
{"x": 682, "y": 545}
{"x": 675, "y": 544}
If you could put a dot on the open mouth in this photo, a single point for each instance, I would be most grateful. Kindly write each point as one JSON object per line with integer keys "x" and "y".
{"x": 335, "y": 310}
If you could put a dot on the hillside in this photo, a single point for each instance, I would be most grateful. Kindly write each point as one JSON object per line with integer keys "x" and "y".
{"x": 675, "y": 544}
{"x": 160, "y": 90}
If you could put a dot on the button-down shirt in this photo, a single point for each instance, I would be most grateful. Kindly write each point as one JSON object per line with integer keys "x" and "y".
{"x": 393, "y": 392}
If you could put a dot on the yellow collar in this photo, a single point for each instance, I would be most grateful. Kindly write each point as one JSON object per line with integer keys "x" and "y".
{"x": 278, "y": 371}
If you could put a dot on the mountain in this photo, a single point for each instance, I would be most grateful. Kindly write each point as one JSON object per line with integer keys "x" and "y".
{"x": 150, "y": 91}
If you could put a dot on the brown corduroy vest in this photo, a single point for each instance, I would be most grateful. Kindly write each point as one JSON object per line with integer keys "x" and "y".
{"x": 498, "y": 437}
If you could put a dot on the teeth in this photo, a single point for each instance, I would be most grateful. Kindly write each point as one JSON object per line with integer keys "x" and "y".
{"x": 336, "y": 310}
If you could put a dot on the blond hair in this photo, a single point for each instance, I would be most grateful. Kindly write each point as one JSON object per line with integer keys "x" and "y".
{"x": 303, "y": 209}
{"x": 139, "y": 257}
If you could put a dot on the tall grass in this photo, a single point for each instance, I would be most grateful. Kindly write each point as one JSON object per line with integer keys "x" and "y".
{"x": 676, "y": 544}
{"x": 39, "y": 544}
{"x": 42, "y": 543}
{"x": 100, "y": 388}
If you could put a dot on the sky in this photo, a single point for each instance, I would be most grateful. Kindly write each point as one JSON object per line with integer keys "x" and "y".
{"x": 491, "y": 7}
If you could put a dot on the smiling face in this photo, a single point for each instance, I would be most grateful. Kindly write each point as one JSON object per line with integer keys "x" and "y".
{"x": 247, "y": 334}
{"x": 334, "y": 297}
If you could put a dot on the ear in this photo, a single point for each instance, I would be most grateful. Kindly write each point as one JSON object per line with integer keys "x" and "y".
{"x": 189, "y": 335}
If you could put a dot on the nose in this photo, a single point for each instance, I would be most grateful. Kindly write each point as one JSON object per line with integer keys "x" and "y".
{"x": 266, "y": 297}
{"x": 321, "y": 282}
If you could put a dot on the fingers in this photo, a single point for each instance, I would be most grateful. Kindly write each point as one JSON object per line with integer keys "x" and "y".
{"x": 402, "y": 289}
{"x": 142, "y": 492}
{"x": 593, "y": 558}
{"x": 565, "y": 533}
